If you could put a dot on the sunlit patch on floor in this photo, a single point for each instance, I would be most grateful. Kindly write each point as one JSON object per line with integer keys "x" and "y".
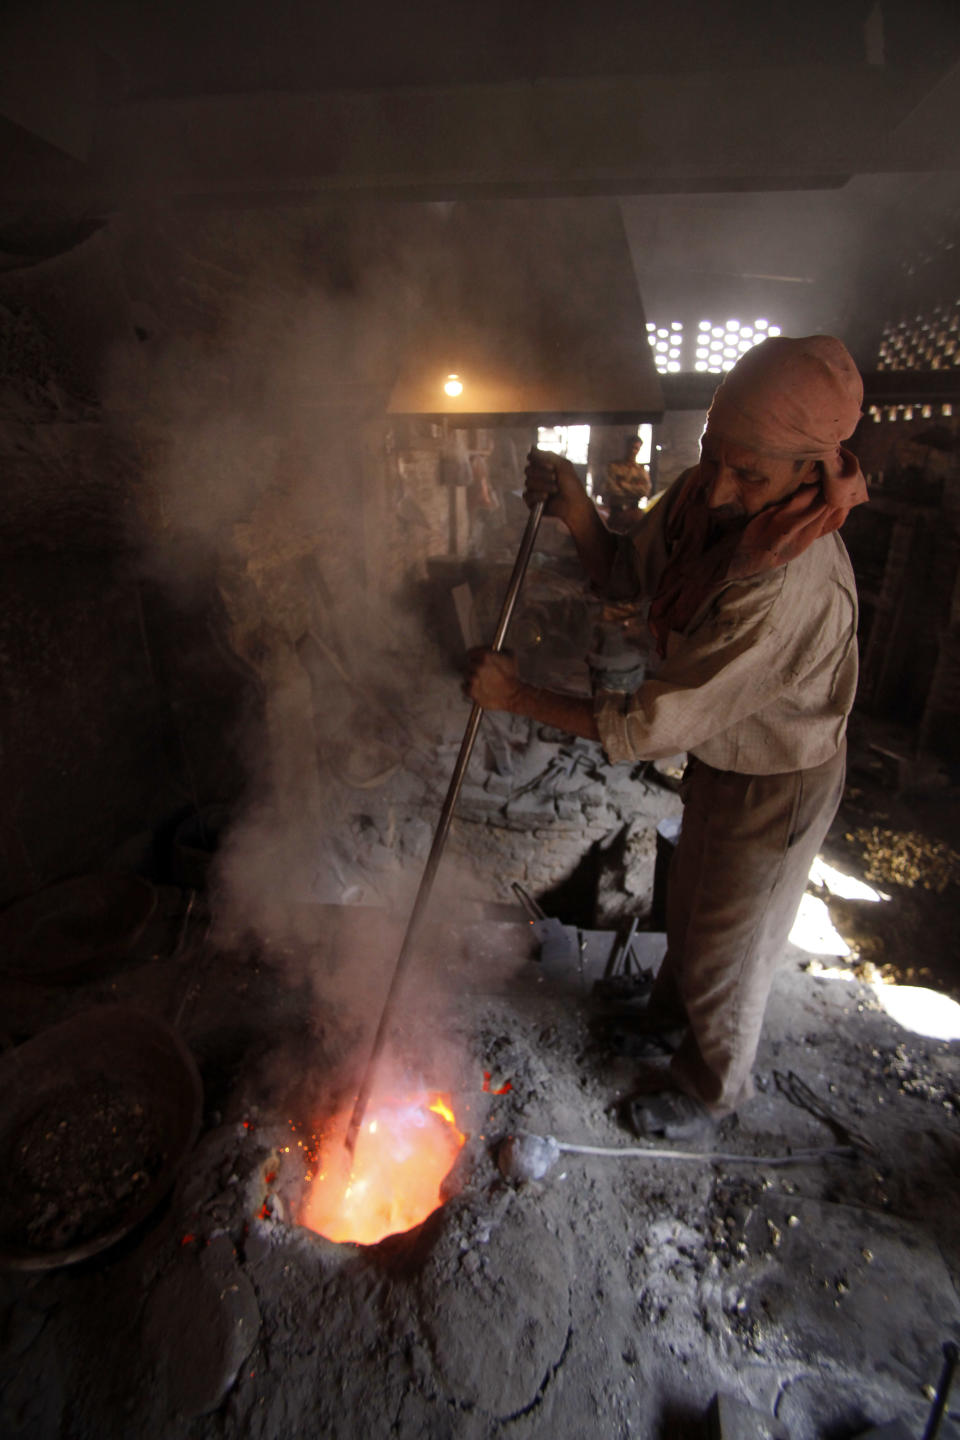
{"x": 923, "y": 1011}
{"x": 915, "y": 1007}
{"x": 845, "y": 887}
{"x": 918, "y": 1009}
{"x": 814, "y": 931}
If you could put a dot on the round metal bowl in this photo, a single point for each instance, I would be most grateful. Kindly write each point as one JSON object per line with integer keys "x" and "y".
{"x": 75, "y": 929}
{"x": 96, "y": 1117}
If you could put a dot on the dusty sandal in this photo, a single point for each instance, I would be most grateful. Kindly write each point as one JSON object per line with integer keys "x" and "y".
{"x": 668, "y": 1115}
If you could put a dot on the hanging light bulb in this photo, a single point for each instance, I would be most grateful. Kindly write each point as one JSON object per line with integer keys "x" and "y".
{"x": 453, "y": 386}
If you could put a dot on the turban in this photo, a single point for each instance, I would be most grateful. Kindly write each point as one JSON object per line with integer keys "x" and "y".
{"x": 794, "y": 399}
{"x": 788, "y": 399}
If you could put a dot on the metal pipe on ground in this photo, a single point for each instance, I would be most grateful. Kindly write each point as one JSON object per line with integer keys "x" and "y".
{"x": 524, "y": 1157}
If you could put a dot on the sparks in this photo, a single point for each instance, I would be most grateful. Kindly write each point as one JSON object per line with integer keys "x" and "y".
{"x": 441, "y": 1108}
{"x": 393, "y": 1181}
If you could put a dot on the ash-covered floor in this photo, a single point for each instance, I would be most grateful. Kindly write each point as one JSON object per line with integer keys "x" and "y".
{"x": 615, "y": 1297}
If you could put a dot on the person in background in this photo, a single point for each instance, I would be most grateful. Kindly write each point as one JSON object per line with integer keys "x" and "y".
{"x": 625, "y": 485}
{"x": 753, "y": 608}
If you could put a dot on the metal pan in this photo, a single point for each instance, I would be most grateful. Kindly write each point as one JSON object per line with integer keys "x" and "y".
{"x": 96, "y": 1117}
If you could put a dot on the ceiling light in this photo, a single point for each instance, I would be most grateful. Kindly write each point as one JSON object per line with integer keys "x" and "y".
{"x": 673, "y": 367}
{"x": 704, "y": 325}
{"x": 733, "y": 324}
{"x": 760, "y": 324}
{"x": 453, "y": 386}
{"x": 773, "y": 330}
{"x": 719, "y": 331}
{"x": 676, "y": 325}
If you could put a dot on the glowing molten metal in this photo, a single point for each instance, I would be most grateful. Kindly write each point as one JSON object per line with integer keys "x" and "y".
{"x": 404, "y": 1150}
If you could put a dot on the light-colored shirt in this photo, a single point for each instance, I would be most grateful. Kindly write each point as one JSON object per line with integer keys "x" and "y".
{"x": 762, "y": 679}
{"x": 625, "y": 480}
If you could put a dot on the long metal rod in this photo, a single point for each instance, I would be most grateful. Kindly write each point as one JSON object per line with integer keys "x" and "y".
{"x": 440, "y": 836}
{"x": 534, "y": 911}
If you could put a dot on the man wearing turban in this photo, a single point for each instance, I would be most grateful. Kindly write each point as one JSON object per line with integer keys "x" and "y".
{"x": 754, "y": 612}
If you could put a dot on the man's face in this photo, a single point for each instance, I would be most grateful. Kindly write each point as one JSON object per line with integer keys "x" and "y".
{"x": 740, "y": 482}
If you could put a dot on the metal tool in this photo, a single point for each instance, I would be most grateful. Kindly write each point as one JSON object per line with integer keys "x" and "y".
{"x": 524, "y": 1157}
{"x": 559, "y": 943}
{"x": 619, "y": 962}
{"x": 533, "y": 909}
{"x": 441, "y": 833}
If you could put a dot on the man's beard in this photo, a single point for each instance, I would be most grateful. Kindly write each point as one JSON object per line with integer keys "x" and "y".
{"x": 725, "y": 520}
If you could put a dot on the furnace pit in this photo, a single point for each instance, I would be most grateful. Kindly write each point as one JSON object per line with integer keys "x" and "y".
{"x": 392, "y": 1182}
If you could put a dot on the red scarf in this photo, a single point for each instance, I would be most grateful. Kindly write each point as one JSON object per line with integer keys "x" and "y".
{"x": 772, "y": 538}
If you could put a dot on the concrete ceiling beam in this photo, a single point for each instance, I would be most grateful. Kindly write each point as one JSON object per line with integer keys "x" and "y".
{"x": 727, "y": 130}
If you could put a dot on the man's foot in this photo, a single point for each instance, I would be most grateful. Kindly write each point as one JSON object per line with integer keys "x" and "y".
{"x": 668, "y": 1115}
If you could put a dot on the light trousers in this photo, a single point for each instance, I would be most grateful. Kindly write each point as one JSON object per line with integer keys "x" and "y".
{"x": 735, "y": 883}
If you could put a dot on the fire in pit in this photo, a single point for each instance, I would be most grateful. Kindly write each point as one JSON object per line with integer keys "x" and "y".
{"x": 405, "y": 1149}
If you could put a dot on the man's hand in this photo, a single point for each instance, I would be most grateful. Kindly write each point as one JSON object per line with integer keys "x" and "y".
{"x": 492, "y": 682}
{"x": 552, "y": 478}
{"x": 492, "y": 679}
{"x": 781, "y": 532}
